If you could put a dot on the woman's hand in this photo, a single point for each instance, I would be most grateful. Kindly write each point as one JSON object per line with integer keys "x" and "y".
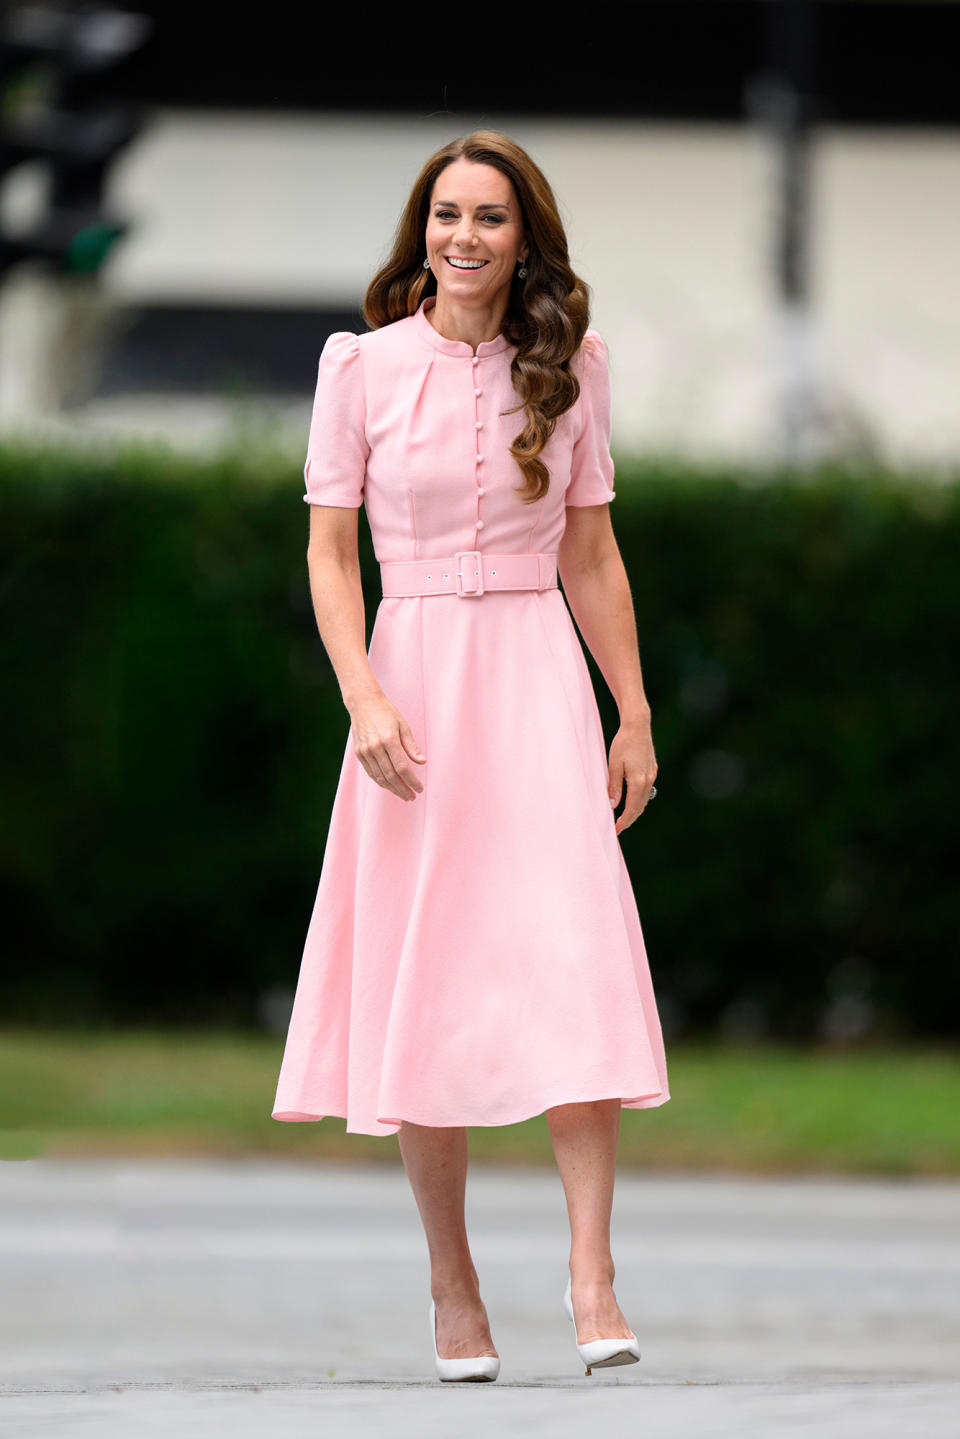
{"x": 384, "y": 744}
{"x": 632, "y": 759}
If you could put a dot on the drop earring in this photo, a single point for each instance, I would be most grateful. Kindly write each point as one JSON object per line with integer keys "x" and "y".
{"x": 426, "y": 263}
{"x": 522, "y": 272}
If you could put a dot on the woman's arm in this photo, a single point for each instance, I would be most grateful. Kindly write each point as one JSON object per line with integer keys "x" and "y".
{"x": 383, "y": 740}
{"x": 598, "y": 592}
{"x": 333, "y": 563}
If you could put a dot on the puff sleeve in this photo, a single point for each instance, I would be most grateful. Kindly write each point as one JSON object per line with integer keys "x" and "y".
{"x": 591, "y": 466}
{"x": 337, "y": 447}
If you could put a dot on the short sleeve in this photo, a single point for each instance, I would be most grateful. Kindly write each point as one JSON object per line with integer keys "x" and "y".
{"x": 591, "y": 468}
{"x": 337, "y": 448}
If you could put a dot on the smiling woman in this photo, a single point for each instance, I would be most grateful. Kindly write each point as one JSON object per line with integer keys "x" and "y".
{"x": 475, "y": 955}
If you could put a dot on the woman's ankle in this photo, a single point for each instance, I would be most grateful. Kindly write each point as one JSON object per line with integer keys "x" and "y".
{"x": 454, "y": 1286}
{"x": 592, "y": 1271}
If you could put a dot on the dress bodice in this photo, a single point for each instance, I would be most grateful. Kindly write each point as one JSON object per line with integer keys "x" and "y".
{"x": 413, "y": 426}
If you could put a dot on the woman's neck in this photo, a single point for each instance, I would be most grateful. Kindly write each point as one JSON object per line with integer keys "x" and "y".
{"x": 470, "y": 323}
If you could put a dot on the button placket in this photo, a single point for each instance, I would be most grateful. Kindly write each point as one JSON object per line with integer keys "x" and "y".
{"x": 478, "y": 427}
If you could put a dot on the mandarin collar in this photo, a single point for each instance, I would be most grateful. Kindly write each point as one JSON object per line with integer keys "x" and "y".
{"x": 459, "y": 348}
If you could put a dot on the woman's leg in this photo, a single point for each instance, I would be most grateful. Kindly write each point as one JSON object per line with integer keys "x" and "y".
{"x": 436, "y": 1163}
{"x": 585, "y": 1144}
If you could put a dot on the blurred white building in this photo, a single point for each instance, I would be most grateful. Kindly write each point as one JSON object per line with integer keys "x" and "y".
{"x": 671, "y": 224}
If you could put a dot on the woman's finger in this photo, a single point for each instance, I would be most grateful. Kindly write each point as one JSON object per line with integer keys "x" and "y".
{"x": 396, "y": 762}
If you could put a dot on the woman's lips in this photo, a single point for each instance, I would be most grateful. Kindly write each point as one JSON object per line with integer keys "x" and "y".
{"x": 464, "y": 269}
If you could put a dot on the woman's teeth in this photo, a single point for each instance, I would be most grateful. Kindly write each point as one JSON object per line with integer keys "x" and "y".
{"x": 464, "y": 264}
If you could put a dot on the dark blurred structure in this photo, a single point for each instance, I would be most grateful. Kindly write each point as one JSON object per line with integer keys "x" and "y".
{"x": 55, "y": 68}
{"x": 876, "y": 61}
{"x": 781, "y": 97}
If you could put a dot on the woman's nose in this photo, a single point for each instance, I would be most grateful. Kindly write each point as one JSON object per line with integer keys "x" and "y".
{"x": 466, "y": 234}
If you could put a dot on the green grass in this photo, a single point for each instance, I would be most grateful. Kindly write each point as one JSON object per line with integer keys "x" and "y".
{"x": 763, "y": 1108}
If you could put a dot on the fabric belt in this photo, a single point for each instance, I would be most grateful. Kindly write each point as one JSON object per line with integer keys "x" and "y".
{"x": 467, "y": 573}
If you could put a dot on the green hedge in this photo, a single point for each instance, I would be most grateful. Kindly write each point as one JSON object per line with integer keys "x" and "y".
{"x": 172, "y": 735}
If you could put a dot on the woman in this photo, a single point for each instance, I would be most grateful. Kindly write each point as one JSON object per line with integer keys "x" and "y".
{"x": 475, "y": 954}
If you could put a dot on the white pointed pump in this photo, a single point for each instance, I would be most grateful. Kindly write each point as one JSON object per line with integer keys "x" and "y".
{"x": 482, "y": 1366}
{"x": 603, "y": 1353}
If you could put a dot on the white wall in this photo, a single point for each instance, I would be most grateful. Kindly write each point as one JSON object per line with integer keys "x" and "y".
{"x": 669, "y": 223}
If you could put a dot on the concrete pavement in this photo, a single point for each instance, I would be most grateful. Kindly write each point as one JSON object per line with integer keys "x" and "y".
{"x": 252, "y": 1297}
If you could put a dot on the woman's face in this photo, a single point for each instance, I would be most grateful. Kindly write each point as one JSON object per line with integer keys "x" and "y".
{"x": 474, "y": 217}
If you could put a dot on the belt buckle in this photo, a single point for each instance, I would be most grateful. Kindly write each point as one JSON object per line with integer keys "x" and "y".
{"x": 469, "y": 566}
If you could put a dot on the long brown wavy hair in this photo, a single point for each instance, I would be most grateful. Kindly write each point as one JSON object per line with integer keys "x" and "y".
{"x": 547, "y": 313}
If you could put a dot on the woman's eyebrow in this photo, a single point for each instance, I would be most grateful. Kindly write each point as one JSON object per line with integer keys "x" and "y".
{"x": 493, "y": 205}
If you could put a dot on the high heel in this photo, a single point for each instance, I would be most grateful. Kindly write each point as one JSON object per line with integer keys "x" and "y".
{"x": 603, "y": 1353}
{"x": 482, "y": 1366}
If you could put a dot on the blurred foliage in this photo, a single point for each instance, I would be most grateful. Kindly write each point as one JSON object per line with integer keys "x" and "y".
{"x": 173, "y": 733}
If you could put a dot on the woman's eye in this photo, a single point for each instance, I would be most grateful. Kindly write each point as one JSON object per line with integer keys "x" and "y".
{"x": 451, "y": 215}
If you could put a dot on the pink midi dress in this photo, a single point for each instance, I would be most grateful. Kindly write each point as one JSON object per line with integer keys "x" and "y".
{"x": 474, "y": 956}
